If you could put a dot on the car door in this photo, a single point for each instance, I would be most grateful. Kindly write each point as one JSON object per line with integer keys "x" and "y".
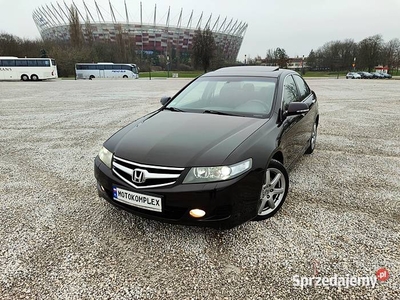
{"x": 307, "y": 122}
{"x": 291, "y": 142}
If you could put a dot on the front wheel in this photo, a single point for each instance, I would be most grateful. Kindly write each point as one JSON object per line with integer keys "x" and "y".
{"x": 313, "y": 139}
{"x": 273, "y": 191}
{"x": 125, "y": 76}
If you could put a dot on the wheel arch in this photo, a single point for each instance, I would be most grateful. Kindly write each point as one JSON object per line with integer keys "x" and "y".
{"x": 278, "y": 156}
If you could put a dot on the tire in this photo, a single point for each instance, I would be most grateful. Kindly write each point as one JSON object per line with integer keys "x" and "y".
{"x": 313, "y": 139}
{"x": 34, "y": 77}
{"x": 275, "y": 188}
{"x": 24, "y": 77}
{"x": 91, "y": 77}
{"x": 124, "y": 76}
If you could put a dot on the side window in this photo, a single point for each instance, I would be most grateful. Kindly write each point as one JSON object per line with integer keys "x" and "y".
{"x": 303, "y": 87}
{"x": 290, "y": 93}
{"x": 21, "y": 62}
{"x": 9, "y": 62}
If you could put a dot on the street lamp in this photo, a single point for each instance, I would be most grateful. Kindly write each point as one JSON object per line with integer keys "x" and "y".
{"x": 302, "y": 66}
{"x": 167, "y": 66}
{"x": 245, "y": 62}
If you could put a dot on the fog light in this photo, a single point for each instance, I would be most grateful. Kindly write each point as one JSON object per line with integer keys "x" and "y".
{"x": 102, "y": 188}
{"x": 197, "y": 213}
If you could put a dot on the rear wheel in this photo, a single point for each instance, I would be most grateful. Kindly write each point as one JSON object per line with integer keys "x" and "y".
{"x": 24, "y": 77}
{"x": 125, "y": 76}
{"x": 34, "y": 77}
{"x": 313, "y": 139}
{"x": 91, "y": 77}
{"x": 273, "y": 191}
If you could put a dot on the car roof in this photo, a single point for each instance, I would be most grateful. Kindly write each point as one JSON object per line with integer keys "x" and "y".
{"x": 264, "y": 71}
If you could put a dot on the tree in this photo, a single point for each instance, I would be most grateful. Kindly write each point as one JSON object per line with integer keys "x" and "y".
{"x": 43, "y": 53}
{"x": 369, "y": 52}
{"x": 281, "y": 57}
{"x": 270, "y": 58}
{"x": 88, "y": 35}
{"x": 312, "y": 60}
{"x": 75, "y": 30}
{"x": 9, "y": 45}
{"x": 391, "y": 54}
{"x": 203, "y": 48}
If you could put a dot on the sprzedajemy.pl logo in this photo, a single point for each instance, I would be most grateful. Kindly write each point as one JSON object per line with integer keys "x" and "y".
{"x": 341, "y": 281}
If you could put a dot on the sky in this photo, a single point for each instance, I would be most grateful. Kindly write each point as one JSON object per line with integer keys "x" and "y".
{"x": 294, "y": 25}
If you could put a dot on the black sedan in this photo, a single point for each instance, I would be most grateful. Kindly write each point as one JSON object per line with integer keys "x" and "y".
{"x": 216, "y": 153}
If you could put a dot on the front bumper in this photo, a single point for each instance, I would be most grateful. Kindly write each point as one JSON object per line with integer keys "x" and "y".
{"x": 227, "y": 203}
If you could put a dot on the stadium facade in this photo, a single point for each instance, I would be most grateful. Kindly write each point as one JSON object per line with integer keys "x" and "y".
{"x": 99, "y": 24}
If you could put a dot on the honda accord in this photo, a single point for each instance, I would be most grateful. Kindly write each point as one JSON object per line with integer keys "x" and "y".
{"x": 215, "y": 154}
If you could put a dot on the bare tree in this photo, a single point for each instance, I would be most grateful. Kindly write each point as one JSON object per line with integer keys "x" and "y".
{"x": 75, "y": 29}
{"x": 88, "y": 33}
{"x": 203, "y": 48}
{"x": 369, "y": 52}
{"x": 391, "y": 54}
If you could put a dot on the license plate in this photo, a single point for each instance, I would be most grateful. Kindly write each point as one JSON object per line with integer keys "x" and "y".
{"x": 138, "y": 200}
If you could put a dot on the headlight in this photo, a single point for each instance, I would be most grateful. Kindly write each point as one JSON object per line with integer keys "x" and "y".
{"x": 209, "y": 174}
{"x": 105, "y": 156}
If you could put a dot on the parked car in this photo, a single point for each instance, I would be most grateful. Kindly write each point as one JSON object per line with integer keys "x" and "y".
{"x": 386, "y": 75}
{"x": 215, "y": 154}
{"x": 377, "y": 75}
{"x": 365, "y": 75}
{"x": 353, "y": 75}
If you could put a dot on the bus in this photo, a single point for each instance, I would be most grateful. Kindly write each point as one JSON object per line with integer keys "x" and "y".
{"x": 105, "y": 70}
{"x": 14, "y": 68}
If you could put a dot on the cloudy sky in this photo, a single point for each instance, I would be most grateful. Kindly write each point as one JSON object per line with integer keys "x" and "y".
{"x": 295, "y": 25}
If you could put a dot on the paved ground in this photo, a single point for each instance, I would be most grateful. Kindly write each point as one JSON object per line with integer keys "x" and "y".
{"x": 59, "y": 240}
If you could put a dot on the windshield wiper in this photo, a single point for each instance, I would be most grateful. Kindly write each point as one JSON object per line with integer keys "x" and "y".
{"x": 171, "y": 108}
{"x": 217, "y": 112}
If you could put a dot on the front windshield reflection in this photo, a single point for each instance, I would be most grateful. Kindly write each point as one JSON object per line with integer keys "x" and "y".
{"x": 245, "y": 96}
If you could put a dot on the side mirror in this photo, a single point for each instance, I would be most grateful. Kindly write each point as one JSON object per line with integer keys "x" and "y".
{"x": 314, "y": 94}
{"x": 164, "y": 100}
{"x": 297, "y": 108}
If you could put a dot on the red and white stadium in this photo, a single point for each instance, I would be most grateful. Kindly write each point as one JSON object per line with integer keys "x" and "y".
{"x": 105, "y": 23}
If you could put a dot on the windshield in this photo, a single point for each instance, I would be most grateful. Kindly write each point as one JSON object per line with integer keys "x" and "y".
{"x": 241, "y": 96}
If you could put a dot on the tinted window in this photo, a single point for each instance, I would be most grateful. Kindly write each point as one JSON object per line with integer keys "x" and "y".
{"x": 9, "y": 62}
{"x": 304, "y": 90}
{"x": 21, "y": 63}
{"x": 43, "y": 63}
{"x": 32, "y": 63}
{"x": 108, "y": 67}
{"x": 290, "y": 93}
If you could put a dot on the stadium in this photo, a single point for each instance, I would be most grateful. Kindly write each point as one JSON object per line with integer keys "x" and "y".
{"x": 155, "y": 35}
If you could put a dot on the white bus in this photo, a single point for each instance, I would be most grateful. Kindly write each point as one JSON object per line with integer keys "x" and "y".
{"x": 14, "y": 68}
{"x": 105, "y": 70}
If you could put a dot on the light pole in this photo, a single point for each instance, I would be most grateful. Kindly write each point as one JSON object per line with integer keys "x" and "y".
{"x": 245, "y": 61}
{"x": 302, "y": 66}
{"x": 167, "y": 66}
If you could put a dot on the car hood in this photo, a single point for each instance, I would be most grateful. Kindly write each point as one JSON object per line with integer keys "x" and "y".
{"x": 180, "y": 139}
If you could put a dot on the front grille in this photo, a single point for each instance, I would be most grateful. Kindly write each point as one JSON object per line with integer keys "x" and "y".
{"x": 145, "y": 176}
